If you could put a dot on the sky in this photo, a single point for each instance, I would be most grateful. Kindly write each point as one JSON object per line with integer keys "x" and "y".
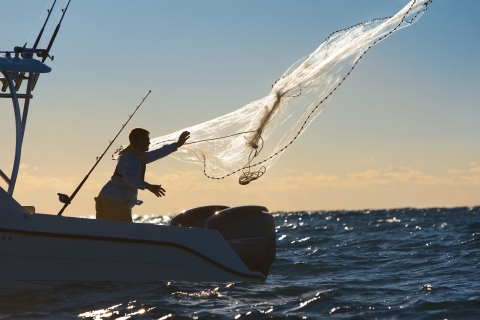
{"x": 402, "y": 131}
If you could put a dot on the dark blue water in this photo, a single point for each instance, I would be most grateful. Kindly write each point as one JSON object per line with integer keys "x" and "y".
{"x": 385, "y": 264}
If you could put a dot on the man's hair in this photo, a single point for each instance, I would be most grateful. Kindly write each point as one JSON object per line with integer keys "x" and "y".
{"x": 137, "y": 133}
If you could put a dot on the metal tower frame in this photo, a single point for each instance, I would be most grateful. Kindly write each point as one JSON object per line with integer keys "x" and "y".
{"x": 17, "y": 69}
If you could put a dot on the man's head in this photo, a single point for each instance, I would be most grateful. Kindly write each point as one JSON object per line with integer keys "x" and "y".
{"x": 139, "y": 137}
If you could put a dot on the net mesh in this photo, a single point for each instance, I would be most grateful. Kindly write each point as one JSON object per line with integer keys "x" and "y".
{"x": 248, "y": 141}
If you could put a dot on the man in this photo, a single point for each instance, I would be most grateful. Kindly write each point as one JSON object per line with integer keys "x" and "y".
{"x": 119, "y": 195}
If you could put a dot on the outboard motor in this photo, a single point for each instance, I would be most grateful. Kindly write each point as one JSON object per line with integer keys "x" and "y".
{"x": 195, "y": 217}
{"x": 250, "y": 231}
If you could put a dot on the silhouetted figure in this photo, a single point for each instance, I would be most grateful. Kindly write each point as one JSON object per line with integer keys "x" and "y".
{"x": 119, "y": 195}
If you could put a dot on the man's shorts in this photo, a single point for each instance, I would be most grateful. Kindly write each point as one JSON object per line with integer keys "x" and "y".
{"x": 108, "y": 209}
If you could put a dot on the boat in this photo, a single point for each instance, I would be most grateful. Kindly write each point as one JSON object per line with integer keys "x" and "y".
{"x": 38, "y": 250}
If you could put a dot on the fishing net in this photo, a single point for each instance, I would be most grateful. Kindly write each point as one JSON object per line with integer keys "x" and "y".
{"x": 249, "y": 140}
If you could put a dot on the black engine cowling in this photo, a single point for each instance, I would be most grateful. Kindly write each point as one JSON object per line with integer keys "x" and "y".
{"x": 250, "y": 231}
{"x": 195, "y": 217}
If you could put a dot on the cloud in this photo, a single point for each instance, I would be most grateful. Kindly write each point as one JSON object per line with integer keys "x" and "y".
{"x": 378, "y": 177}
{"x": 294, "y": 183}
{"x": 193, "y": 182}
{"x": 473, "y": 167}
{"x": 27, "y": 182}
{"x": 392, "y": 186}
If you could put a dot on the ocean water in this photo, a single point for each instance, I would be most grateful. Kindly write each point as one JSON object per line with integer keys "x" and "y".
{"x": 372, "y": 264}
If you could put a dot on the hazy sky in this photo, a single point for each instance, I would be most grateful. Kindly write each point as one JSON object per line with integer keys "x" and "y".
{"x": 403, "y": 130}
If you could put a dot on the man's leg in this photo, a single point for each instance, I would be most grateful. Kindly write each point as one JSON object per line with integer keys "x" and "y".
{"x": 108, "y": 209}
{"x": 99, "y": 209}
{"x": 122, "y": 211}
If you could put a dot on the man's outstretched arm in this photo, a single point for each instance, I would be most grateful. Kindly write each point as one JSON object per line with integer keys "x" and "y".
{"x": 165, "y": 150}
{"x": 157, "y": 189}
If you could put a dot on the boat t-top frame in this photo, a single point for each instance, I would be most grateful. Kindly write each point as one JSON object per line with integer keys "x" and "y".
{"x": 15, "y": 69}
{"x": 22, "y": 66}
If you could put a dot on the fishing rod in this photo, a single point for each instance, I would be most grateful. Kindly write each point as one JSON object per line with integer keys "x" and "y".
{"x": 47, "y": 51}
{"x": 44, "y": 24}
{"x": 63, "y": 198}
{"x": 18, "y": 82}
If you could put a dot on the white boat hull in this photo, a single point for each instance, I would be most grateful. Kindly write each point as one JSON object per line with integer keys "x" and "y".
{"x": 38, "y": 251}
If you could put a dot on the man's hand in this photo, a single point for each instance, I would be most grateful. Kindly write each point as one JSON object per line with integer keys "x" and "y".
{"x": 155, "y": 189}
{"x": 183, "y": 137}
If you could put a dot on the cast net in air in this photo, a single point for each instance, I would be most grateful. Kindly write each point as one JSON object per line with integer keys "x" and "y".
{"x": 249, "y": 140}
